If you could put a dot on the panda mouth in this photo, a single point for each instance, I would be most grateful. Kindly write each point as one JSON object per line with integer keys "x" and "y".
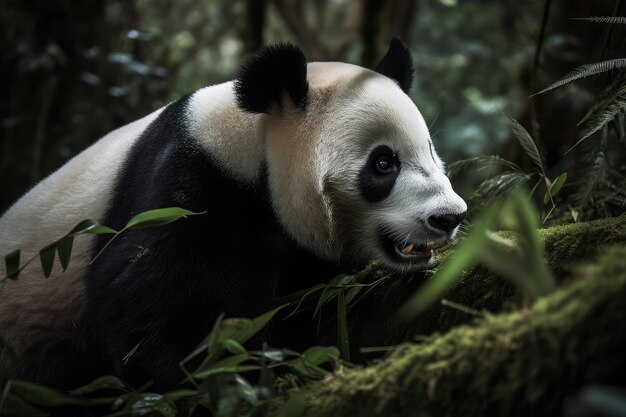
{"x": 415, "y": 253}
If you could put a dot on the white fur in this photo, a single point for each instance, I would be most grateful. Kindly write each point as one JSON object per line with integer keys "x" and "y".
{"x": 226, "y": 132}
{"x": 351, "y": 111}
{"x": 35, "y": 310}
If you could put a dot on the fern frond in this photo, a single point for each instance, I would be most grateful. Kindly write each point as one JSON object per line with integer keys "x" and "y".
{"x": 500, "y": 185}
{"x": 482, "y": 164}
{"x": 601, "y": 119}
{"x": 614, "y": 20}
{"x": 587, "y": 70}
{"x": 528, "y": 144}
{"x": 596, "y": 175}
{"x": 615, "y": 89}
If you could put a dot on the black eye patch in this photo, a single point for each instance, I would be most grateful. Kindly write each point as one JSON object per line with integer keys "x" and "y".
{"x": 379, "y": 174}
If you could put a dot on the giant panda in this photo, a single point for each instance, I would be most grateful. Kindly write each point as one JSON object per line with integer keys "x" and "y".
{"x": 303, "y": 170}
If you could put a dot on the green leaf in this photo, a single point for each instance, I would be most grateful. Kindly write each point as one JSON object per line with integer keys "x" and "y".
{"x": 44, "y": 396}
{"x": 352, "y": 293}
{"x": 12, "y": 263}
{"x": 586, "y": 71}
{"x": 307, "y": 364}
{"x": 64, "y": 250}
{"x": 180, "y": 394}
{"x": 527, "y": 143}
{"x": 108, "y": 382}
{"x": 234, "y": 347}
{"x": 555, "y": 187}
{"x": 235, "y": 369}
{"x": 451, "y": 270}
{"x": 294, "y": 407}
{"x": 327, "y": 295}
{"x": 611, "y": 20}
{"x": 258, "y": 323}
{"x": 91, "y": 227}
{"x": 14, "y": 406}
{"x": 46, "y": 255}
{"x": 158, "y": 217}
{"x": 342, "y": 327}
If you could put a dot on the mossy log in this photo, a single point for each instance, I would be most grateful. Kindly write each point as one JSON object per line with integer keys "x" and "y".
{"x": 518, "y": 363}
{"x": 567, "y": 247}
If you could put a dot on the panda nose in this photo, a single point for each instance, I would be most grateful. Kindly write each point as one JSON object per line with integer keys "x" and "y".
{"x": 446, "y": 222}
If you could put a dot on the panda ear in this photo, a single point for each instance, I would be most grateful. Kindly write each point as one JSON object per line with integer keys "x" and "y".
{"x": 270, "y": 74}
{"x": 397, "y": 64}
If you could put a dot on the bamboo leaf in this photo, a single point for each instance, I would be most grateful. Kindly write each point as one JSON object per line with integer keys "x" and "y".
{"x": 451, "y": 270}
{"x": 229, "y": 364}
{"x": 158, "y": 217}
{"x": 176, "y": 395}
{"x": 64, "y": 250}
{"x": 587, "y": 70}
{"x": 12, "y": 263}
{"x": 91, "y": 227}
{"x": 234, "y": 347}
{"x": 44, "y": 396}
{"x": 307, "y": 363}
{"x": 108, "y": 382}
{"x": 46, "y": 255}
{"x": 555, "y": 187}
{"x": 14, "y": 406}
{"x": 527, "y": 143}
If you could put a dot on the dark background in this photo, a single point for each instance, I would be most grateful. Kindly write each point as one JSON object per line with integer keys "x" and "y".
{"x": 72, "y": 70}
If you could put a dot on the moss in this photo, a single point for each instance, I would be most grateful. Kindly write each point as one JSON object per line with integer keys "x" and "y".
{"x": 565, "y": 246}
{"x": 516, "y": 364}
{"x": 572, "y": 243}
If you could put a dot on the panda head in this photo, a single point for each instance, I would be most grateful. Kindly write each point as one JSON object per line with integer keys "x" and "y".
{"x": 352, "y": 171}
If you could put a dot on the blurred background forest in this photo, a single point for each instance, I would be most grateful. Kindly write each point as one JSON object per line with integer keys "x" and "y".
{"x": 72, "y": 70}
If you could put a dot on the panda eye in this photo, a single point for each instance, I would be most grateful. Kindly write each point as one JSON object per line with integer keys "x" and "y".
{"x": 384, "y": 165}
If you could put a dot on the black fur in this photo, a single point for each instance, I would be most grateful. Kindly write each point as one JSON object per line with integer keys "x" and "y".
{"x": 373, "y": 185}
{"x": 162, "y": 288}
{"x": 397, "y": 64}
{"x": 267, "y": 76}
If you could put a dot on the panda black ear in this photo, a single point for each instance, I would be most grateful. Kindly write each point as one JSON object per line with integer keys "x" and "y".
{"x": 397, "y": 64}
{"x": 268, "y": 75}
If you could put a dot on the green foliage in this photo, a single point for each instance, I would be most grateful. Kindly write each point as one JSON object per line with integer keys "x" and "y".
{"x": 611, "y": 20}
{"x": 217, "y": 383}
{"x": 600, "y": 178}
{"x": 587, "y": 71}
{"x": 503, "y": 178}
{"x": 63, "y": 246}
{"x": 517, "y": 257}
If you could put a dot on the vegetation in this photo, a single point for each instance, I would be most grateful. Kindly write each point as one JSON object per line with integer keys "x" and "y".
{"x": 532, "y": 308}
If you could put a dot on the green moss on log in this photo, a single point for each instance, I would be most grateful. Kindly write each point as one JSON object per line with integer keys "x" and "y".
{"x": 516, "y": 364}
{"x": 565, "y": 246}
